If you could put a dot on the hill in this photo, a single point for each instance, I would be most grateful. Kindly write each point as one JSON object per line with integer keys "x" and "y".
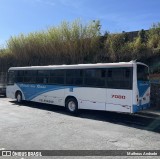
{"x": 72, "y": 43}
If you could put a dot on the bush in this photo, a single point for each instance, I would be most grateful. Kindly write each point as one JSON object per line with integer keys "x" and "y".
{"x": 75, "y": 42}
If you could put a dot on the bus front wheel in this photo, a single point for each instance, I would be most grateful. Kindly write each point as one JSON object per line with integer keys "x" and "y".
{"x": 72, "y": 106}
{"x": 19, "y": 97}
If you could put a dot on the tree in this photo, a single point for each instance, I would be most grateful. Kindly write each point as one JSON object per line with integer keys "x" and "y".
{"x": 143, "y": 36}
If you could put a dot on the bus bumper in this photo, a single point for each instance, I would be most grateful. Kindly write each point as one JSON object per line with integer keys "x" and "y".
{"x": 137, "y": 108}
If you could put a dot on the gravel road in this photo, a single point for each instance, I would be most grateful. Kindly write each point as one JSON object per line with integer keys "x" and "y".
{"x": 33, "y": 126}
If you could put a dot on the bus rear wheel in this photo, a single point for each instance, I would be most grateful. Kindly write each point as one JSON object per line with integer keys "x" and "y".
{"x": 19, "y": 97}
{"x": 72, "y": 106}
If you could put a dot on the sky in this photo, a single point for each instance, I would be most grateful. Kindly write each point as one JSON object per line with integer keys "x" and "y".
{"x": 25, "y": 16}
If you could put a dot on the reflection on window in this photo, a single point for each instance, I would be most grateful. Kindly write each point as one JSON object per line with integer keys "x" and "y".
{"x": 119, "y": 78}
{"x": 142, "y": 73}
{"x": 95, "y": 77}
{"x": 43, "y": 76}
{"x": 57, "y": 76}
{"x": 74, "y": 77}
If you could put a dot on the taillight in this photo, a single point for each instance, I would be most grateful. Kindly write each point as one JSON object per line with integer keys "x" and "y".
{"x": 137, "y": 98}
{"x": 148, "y": 94}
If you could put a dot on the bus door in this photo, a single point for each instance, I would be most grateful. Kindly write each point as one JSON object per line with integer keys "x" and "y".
{"x": 119, "y": 89}
{"x": 143, "y": 85}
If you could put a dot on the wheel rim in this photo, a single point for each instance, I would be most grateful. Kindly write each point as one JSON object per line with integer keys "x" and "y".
{"x": 72, "y": 106}
{"x": 18, "y": 97}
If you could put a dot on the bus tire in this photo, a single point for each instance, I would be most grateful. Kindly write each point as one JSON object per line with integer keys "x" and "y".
{"x": 72, "y": 106}
{"x": 19, "y": 97}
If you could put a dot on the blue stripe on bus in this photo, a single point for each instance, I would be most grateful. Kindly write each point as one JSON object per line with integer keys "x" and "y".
{"x": 142, "y": 87}
{"x": 141, "y": 107}
{"x": 31, "y": 91}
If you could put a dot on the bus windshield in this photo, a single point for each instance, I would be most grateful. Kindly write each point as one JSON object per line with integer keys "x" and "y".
{"x": 142, "y": 73}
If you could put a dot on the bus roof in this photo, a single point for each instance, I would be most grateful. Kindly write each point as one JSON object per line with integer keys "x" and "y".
{"x": 78, "y": 66}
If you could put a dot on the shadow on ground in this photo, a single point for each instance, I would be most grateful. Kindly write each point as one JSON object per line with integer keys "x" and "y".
{"x": 146, "y": 120}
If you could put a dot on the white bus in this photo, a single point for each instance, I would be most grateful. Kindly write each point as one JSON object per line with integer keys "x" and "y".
{"x": 119, "y": 87}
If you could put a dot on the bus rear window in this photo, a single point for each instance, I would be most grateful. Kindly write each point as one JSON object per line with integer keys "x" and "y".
{"x": 142, "y": 73}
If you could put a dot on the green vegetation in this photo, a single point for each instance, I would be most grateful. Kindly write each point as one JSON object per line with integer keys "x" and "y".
{"x": 75, "y": 42}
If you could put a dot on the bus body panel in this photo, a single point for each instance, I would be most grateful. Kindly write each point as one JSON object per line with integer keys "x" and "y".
{"x": 55, "y": 97}
{"x": 118, "y": 108}
{"x": 119, "y": 100}
{"x": 88, "y": 98}
{"x": 11, "y": 91}
{"x": 143, "y": 100}
{"x": 51, "y": 94}
{"x": 129, "y": 100}
{"x": 142, "y": 91}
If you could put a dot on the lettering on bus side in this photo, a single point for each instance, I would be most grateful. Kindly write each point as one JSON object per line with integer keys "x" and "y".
{"x": 118, "y": 96}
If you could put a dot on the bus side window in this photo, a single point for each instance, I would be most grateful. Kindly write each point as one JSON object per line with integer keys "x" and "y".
{"x": 95, "y": 77}
{"x": 11, "y": 78}
{"x": 57, "y": 77}
{"x": 29, "y": 76}
{"x": 128, "y": 78}
{"x": 46, "y": 75}
{"x": 79, "y": 73}
{"x": 19, "y": 76}
{"x": 127, "y": 73}
{"x": 103, "y": 73}
{"x": 119, "y": 78}
{"x": 109, "y": 73}
{"x": 70, "y": 75}
{"x": 74, "y": 77}
{"x": 43, "y": 76}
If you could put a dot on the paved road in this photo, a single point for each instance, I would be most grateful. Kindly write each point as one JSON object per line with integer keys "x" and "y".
{"x": 33, "y": 126}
